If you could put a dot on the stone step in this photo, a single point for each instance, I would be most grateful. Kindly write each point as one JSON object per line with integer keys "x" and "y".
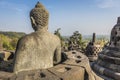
{"x": 110, "y": 59}
{"x": 113, "y": 48}
{"x": 104, "y": 77}
{"x": 108, "y": 65}
{"x": 111, "y": 53}
{"x": 106, "y": 72}
{"x": 116, "y": 54}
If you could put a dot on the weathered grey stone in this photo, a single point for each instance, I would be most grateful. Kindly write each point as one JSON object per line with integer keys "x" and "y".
{"x": 40, "y": 49}
{"x": 68, "y": 72}
{"x": 6, "y": 66}
{"x": 76, "y": 67}
{"x": 109, "y": 58}
{"x": 4, "y": 55}
{"x": 110, "y": 53}
{"x": 108, "y": 63}
{"x": 107, "y": 72}
{"x": 92, "y": 49}
{"x": 81, "y": 61}
{"x": 7, "y": 76}
{"x": 76, "y": 59}
{"x": 36, "y": 75}
{"x": 115, "y": 35}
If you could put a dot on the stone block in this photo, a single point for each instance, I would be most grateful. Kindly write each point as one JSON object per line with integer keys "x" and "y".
{"x": 36, "y": 75}
{"x": 108, "y": 65}
{"x": 107, "y": 72}
{"x": 74, "y": 55}
{"x": 113, "y": 60}
{"x": 6, "y": 76}
{"x": 68, "y": 72}
{"x": 2, "y": 56}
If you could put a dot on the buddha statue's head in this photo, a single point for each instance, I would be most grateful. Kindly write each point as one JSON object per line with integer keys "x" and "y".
{"x": 39, "y": 17}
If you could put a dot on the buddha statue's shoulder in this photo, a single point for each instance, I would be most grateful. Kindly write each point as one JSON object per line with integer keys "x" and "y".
{"x": 54, "y": 36}
{"x": 45, "y": 34}
{"x": 26, "y": 39}
{"x": 34, "y": 37}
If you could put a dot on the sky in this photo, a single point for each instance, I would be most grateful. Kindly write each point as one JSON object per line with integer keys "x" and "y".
{"x": 85, "y": 16}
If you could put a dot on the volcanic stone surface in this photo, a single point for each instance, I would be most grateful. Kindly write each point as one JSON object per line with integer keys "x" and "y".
{"x": 108, "y": 63}
{"x": 92, "y": 49}
{"x": 75, "y": 67}
{"x": 40, "y": 49}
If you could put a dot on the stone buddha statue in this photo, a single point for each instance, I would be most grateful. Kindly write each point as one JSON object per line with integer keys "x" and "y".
{"x": 40, "y": 49}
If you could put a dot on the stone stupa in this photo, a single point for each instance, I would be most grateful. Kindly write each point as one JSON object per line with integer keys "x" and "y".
{"x": 93, "y": 49}
{"x": 108, "y": 63}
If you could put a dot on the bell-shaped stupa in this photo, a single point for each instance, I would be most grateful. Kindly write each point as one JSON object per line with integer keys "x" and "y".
{"x": 108, "y": 63}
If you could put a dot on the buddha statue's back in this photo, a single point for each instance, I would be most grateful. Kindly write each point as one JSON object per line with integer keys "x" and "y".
{"x": 40, "y": 49}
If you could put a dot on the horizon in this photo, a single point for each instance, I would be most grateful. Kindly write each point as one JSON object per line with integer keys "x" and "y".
{"x": 85, "y": 16}
{"x": 85, "y": 36}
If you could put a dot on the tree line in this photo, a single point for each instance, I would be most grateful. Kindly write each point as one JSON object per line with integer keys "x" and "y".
{"x": 8, "y": 40}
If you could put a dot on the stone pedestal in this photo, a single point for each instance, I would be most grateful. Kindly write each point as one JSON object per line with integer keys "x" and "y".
{"x": 75, "y": 67}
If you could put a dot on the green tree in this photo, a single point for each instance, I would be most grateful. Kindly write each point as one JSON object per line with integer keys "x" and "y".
{"x": 9, "y": 39}
{"x": 76, "y": 40}
{"x": 6, "y": 42}
{"x": 1, "y": 43}
{"x": 13, "y": 43}
{"x": 57, "y": 32}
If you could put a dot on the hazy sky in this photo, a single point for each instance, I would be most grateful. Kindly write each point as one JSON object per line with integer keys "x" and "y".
{"x": 86, "y": 16}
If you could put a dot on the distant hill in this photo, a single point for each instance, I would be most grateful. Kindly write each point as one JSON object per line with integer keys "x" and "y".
{"x": 12, "y": 34}
{"x": 89, "y": 37}
{"x": 107, "y": 37}
{"x": 9, "y": 39}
